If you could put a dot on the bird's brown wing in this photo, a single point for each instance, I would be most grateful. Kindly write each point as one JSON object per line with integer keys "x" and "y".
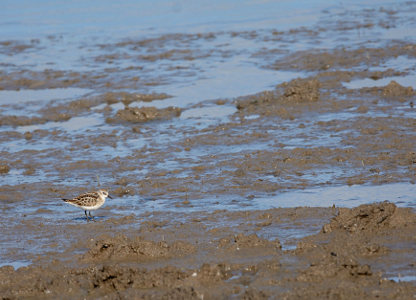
{"x": 87, "y": 199}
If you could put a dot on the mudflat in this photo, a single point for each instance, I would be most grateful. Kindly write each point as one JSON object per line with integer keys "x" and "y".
{"x": 248, "y": 164}
{"x": 357, "y": 253}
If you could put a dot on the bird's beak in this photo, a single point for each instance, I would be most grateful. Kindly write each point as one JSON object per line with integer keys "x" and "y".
{"x": 110, "y": 197}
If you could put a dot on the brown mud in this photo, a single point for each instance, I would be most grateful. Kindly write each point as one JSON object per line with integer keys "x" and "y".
{"x": 183, "y": 223}
{"x": 144, "y": 114}
{"x": 348, "y": 258}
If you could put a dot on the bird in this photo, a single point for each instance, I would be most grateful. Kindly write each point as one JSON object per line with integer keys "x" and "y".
{"x": 89, "y": 201}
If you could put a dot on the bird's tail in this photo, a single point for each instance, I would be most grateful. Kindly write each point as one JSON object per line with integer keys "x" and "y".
{"x": 65, "y": 200}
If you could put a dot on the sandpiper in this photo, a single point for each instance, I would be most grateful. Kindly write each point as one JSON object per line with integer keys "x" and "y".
{"x": 89, "y": 201}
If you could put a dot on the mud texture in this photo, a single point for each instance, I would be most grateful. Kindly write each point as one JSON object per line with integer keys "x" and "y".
{"x": 144, "y": 114}
{"x": 349, "y": 258}
{"x": 188, "y": 176}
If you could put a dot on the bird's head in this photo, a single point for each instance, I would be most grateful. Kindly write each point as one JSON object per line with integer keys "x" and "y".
{"x": 104, "y": 194}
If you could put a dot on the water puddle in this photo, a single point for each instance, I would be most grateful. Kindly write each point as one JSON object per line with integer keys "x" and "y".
{"x": 408, "y": 80}
{"x": 16, "y": 264}
{"x": 407, "y": 32}
{"x": 223, "y": 80}
{"x": 41, "y": 96}
{"x": 405, "y": 278}
{"x": 74, "y": 124}
{"x": 400, "y": 63}
{"x": 208, "y": 112}
{"x": 402, "y": 194}
{"x": 28, "y": 102}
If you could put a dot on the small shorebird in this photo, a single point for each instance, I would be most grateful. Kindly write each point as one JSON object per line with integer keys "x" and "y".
{"x": 89, "y": 201}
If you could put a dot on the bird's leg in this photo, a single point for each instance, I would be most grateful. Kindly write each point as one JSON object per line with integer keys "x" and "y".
{"x": 91, "y": 216}
{"x": 87, "y": 216}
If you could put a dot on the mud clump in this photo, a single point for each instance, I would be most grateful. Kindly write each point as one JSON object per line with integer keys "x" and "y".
{"x": 336, "y": 59}
{"x": 351, "y": 248}
{"x": 334, "y": 268}
{"x": 127, "y": 98}
{"x": 4, "y": 168}
{"x": 279, "y": 101}
{"x": 25, "y": 121}
{"x": 121, "y": 278}
{"x": 332, "y": 280}
{"x": 365, "y": 218}
{"x": 122, "y": 248}
{"x": 392, "y": 91}
{"x": 144, "y": 114}
{"x": 214, "y": 272}
{"x": 241, "y": 241}
{"x": 95, "y": 282}
{"x": 300, "y": 90}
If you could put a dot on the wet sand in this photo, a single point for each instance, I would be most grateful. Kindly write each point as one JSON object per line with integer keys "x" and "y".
{"x": 197, "y": 176}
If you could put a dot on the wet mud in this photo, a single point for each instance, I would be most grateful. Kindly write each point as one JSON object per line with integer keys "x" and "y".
{"x": 224, "y": 254}
{"x": 196, "y": 178}
{"x": 144, "y": 114}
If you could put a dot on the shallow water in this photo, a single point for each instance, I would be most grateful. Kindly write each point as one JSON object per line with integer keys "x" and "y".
{"x": 402, "y": 278}
{"x": 402, "y": 194}
{"x": 409, "y": 80}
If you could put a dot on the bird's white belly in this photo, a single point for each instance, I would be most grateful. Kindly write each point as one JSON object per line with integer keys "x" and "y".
{"x": 92, "y": 207}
